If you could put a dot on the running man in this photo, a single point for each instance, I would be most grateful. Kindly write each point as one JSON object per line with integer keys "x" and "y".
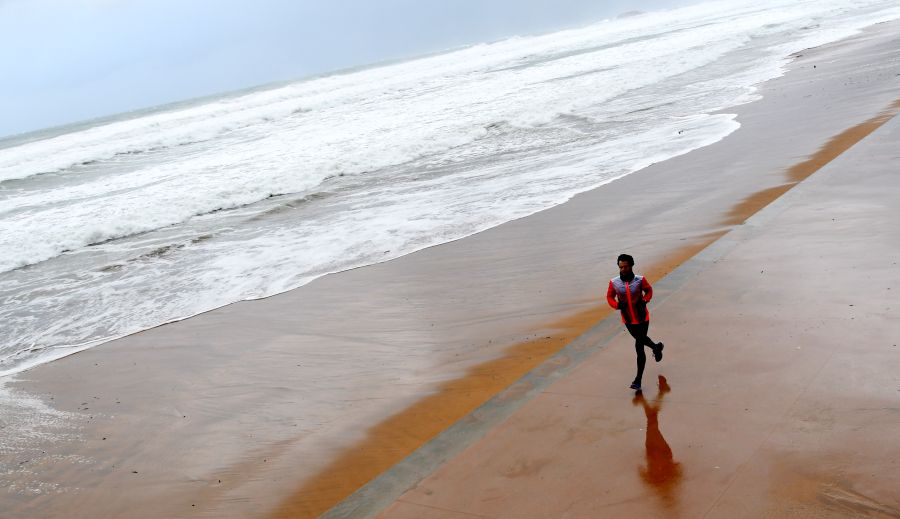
{"x": 630, "y": 293}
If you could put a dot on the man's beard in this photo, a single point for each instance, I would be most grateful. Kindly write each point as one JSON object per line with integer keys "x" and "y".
{"x": 627, "y": 276}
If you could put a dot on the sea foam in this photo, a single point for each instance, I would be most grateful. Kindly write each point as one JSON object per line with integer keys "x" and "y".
{"x": 117, "y": 227}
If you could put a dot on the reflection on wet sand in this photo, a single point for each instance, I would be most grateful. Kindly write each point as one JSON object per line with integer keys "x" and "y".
{"x": 662, "y": 473}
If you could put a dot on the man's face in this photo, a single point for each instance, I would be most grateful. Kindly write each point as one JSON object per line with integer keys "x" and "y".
{"x": 624, "y": 268}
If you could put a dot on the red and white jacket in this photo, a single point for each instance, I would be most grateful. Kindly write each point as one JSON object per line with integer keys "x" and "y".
{"x": 631, "y": 297}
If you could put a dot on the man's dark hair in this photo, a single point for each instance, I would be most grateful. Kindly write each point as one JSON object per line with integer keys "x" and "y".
{"x": 626, "y": 258}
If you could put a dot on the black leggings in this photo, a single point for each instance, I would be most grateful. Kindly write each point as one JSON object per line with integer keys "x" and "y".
{"x": 639, "y": 332}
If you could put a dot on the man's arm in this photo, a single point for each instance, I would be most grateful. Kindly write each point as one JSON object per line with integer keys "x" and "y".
{"x": 611, "y": 296}
{"x": 647, "y": 289}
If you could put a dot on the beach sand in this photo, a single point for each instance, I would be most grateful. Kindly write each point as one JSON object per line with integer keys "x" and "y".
{"x": 777, "y": 396}
{"x": 209, "y": 417}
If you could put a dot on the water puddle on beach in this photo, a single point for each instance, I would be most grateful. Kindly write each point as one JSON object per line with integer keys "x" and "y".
{"x": 660, "y": 472}
{"x": 28, "y": 425}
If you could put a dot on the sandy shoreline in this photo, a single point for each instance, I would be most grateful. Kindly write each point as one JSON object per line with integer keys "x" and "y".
{"x": 206, "y": 427}
{"x": 777, "y": 397}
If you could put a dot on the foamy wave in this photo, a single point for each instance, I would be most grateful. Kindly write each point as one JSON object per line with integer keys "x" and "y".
{"x": 267, "y": 111}
{"x": 43, "y": 225}
{"x": 28, "y": 420}
{"x": 409, "y": 155}
{"x": 150, "y": 133}
{"x": 354, "y": 128}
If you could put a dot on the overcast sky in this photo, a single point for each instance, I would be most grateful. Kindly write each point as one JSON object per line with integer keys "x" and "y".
{"x": 69, "y": 60}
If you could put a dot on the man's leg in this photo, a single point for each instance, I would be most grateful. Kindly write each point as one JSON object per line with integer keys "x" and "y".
{"x": 657, "y": 347}
{"x": 641, "y": 362}
{"x": 639, "y": 332}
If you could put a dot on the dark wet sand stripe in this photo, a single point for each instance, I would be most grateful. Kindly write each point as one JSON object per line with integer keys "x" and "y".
{"x": 800, "y": 171}
{"x": 400, "y": 435}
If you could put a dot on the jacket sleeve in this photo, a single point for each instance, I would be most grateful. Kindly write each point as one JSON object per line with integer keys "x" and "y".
{"x": 611, "y": 296}
{"x": 647, "y": 289}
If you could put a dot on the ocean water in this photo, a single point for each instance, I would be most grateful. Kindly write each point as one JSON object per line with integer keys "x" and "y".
{"x": 111, "y": 228}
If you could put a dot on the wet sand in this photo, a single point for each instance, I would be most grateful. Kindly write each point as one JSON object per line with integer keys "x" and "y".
{"x": 777, "y": 395}
{"x": 230, "y": 414}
